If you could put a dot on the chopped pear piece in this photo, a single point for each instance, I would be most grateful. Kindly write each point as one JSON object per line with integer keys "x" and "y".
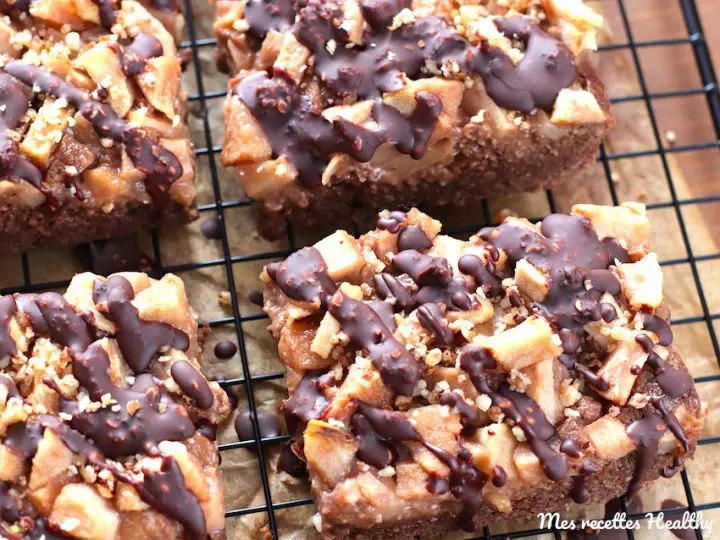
{"x": 609, "y": 438}
{"x": 81, "y": 512}
{"x": 642, "y": 282}
{"x": 621, "y": 370}
{"x": 529, "y": 342}
{"x": 330, "y": 451}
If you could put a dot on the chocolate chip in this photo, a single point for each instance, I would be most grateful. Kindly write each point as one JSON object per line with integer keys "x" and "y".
{"x": 269, "y": 424}
{"x": 256, "y": 297}
{"x": 212, "y": 228}
{"x": 106, "y": 257}
{"x": 225, "y": 349}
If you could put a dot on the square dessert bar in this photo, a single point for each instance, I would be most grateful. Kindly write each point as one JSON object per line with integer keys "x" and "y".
{"x": 340, "y": 107}
{"x": 107, "y": 426}
{"x": 437, "y": 383}
{"x": 93, "y": 140}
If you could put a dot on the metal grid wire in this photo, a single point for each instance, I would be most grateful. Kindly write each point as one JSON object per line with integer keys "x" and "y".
{"x": 208, "y": 149}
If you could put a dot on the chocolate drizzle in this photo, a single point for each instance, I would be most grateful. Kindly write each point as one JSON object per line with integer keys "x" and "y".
{"x": 432, "y": 318}
{"x": 140, "y": 341}
{"x": 308, "y": 402}
{"x": 294, "y": 124}
{"x": 303, "y": 276}
{"x": 65, "y": 326}
{"x": 382, "y": 428}
{"x": 160, "y": 165}
{"x": 435, "y": 278}
{"x": 12, "y": 163}
{"x": 523, "y": 411}
{"x": 645, "y": 433}
{"x": 124, "y": 432}
{"x": 7, "y": 310}
{"x": 191, "y": 381}
{"x": 135, "y": 56}
{"x": 569, "y": 252}
{"x": 398, "y": 368}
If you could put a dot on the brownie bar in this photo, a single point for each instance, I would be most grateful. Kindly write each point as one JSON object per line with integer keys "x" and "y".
{"x": 346, "y": 107}
{"x": 93, "y": 140}
{"x": 437, "y": 383}
{"x": 107, "y": 424}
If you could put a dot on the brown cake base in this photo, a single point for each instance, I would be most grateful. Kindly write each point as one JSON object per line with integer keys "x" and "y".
{"x": 25, "y": 229}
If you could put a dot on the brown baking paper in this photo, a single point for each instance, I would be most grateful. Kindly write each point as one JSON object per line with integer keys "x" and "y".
{"x": 639, "y": 178}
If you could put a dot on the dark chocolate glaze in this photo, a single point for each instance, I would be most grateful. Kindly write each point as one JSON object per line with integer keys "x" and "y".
{"x": 674, "y": 382}
{"x": 470, "y": 416}
{"x": 165, "y": 490}
{"x": 392, "y": 290}
{"x": 645, "y": 433}
{"x": 393, "y": 222}
{"x": 386, "y": 427}
{"x": 160, "y": 166}
{"x": 10, "y": 387}
{"x": 570, "y": 254}
{"x": 136, "y": 419}
{"x": 120, "y": 433}
{"x": 294, "y": 124}
{"x": 413, "y": 237}
{"x": 308, "y": 402}
{"x": 659, "y": 327}
{"x": 14, "y": 7}
{"x": 9, "y": 504}
{"x": 135, "y": 56}
{"x": 291, "y": 464}
{"x": 24, "y": 438}
{"x": 26, "y": 304}
{"x": 435, "y": 278}
{"x": 140, "y": 341}
{"x": 398, "y": 368}
{"x": 8, "y": 308}
{"x": 64, "y": 324}
{"x": 168, "y": 492}
{"x": 108, "y": 16}
{"x": 578, "y": 488}
{"x": 485, "y": 276}
{"x": 303, "y": 276}
{"x": 191, "y": 381}
{"x": 432, "y": 318}
{"x": 522, "y": 410}
{"x": 12, "y": 163}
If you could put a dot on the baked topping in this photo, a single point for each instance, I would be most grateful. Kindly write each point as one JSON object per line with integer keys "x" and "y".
{"x": 388, "y": 56}
{"x": 104, "y": 409}
{"x": 322, "y": 86}
{"x": 426, "y": 366}
{"x": 121, "y": 82}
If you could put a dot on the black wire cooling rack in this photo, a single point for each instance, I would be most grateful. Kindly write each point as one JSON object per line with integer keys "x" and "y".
{"x": 207, "y": 148}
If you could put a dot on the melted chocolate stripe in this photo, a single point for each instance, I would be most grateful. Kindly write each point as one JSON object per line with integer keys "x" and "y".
{"x": 140, "y": 341}
{"x": 160, "y": 165}
{"x": 521, "y": 409}
{"x": 12, "y": 163}
{"x": 379, "y": 427}
{"x": 122, "y": 432}
{"x": 191, "y": 381}
{"x": 398, "y": 368}
{"x": 303, "y": 276}
{"x": 8, "y": 308}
